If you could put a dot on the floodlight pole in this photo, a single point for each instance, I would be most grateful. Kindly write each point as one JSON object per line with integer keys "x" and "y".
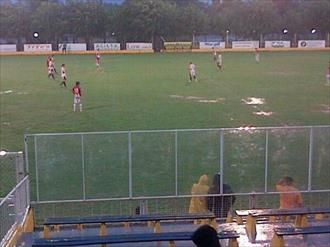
{"x": 295, "y": 40}
{"x": 227, "y": 39}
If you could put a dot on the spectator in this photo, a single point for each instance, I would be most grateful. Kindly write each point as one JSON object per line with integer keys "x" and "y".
{"x": 289, "y": 200}
{"x": 206, "y": 236}
{"x": 199, "y": 204}
{"x": 220, "y": 205}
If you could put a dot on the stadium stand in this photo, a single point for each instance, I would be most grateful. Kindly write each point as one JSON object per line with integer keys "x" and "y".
{"x": 300, "y": 213}
{"x": 130, "y": 238}
{"x": 278, "y": 240}
{"x": 153, "y": 219}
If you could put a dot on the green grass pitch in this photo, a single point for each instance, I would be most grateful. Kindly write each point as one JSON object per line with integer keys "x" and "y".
{"x": 144, "y": 91}
{"x": 151, "y": 91}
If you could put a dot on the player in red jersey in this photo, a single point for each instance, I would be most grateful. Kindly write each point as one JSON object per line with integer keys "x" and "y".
{"x": 47, "y": 61}
{"x": 98, "y": 59}
{"x": 76, "y": 90}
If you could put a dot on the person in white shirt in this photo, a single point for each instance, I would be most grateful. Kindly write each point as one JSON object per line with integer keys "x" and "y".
{"x": 192, "y": 72}
{"x": 63, "y": 75}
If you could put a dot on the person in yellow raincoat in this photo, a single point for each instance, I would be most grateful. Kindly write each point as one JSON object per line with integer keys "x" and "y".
{"x": 198, "y": 204}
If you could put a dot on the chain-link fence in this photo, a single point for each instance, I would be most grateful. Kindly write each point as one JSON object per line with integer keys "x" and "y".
{"x": 13, "y": 208}
{"x": 7, "y": 174}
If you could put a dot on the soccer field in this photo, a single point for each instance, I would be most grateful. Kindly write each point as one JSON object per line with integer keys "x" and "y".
{"x": 151, "y": 91}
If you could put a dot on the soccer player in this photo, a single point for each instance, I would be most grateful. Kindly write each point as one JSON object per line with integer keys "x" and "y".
{"x": 192, "y": 72}
{"x": 63, "y": 75}
{"x": 52, "y": 58}
{"x": 51, "y": 71}
{"x": 215, "y": 57}
{"x": 47, "y": 61}
{"x": 64, "y": 48}
{"x": 219, "y": 61}
{"x": 257, "y": 55}
{"x": 98, "y": 58}
{"x": 76, "y": 90}
{"x": 328, "y": 75}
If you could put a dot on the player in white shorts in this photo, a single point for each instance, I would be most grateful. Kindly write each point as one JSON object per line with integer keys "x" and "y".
{"x": 219, "y": 61}
{"x": 192, "y": 72}
{"x": 63, "y": 75}
{"x": 215, "y": 56}
{"x": 76, "y": 90}
{"x": 257, "y": 55}
{"x": 51, "y": 70}
{"x": 98, "y": 59}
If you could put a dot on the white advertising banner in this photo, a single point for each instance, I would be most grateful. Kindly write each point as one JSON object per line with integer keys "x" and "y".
{"x": 73, "y": 47}
{"x": 249, "y": 44}
{"x": 107, "y": 46}
{"x": 37, "y": 47}
{"x": 138, "y": 46}
{"x": 277, "y": 44}
{"x": 8, "y": 48}
{"x": 210, "y": 45}
{"x": 311, "y": 43}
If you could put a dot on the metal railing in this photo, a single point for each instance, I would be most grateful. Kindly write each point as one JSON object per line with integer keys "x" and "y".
{"x": 132, "y": 164}
{"x": 13, "y": 209}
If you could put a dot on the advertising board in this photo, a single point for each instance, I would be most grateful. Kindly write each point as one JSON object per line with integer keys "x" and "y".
{"x": 177, "y": 46}
{"x": 37, "y": 47}
{"x": 248, "y": 44}
{"x": 277, "y": 44}
{"x": 73, "y": 46}
{"x": 107, "y": 46}
{"x": 311, "y": 43}
{"x": 8, "y": 48}
{"x": 210, "y": 45}
{"x": 138, "y": 46}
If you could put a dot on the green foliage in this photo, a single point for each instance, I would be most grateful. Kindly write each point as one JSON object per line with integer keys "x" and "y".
{"x": 142, "y": 20}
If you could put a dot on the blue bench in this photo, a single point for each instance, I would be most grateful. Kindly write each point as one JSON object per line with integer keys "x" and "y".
{"x": 152, "y": 219}
{"x": 130, "y": 238}
{"x": 278, "y": 240}
{"x": 300, "y": 213}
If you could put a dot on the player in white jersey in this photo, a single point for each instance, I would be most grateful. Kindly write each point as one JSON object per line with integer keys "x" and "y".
{"x": 51, "y": 70}
{"x": 192, "y": 72}
{"x": 215, "y": 56}
{"x": 63, "y": 75}
{"x": 257, "y": 55}
{"x": 219, "y": 61}
{"x": 98, "y": 59}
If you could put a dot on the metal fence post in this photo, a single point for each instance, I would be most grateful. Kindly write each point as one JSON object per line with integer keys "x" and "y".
{"x": 130, "y": 164}
{"x": 176, "y": 162}
{"x": 221, "y": 160}
{"x": 310, "y": 159}
{"x": 266, "y": 162}
{"x": 26, "y": 153}
{"x": 36, "y": 161}
{"x": 83, "y": 166}
{"x": 19, "y": 161}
